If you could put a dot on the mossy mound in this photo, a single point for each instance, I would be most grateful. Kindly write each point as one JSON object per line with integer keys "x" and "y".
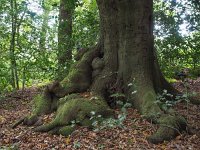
{"x": 77, "y": 109}
{"x": 170, "y": 127}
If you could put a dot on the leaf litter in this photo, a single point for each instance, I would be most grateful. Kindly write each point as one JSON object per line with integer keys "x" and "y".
{"x": 131, "y": 136}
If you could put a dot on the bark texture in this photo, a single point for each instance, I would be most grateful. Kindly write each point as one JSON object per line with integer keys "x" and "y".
{"x": 65, "y": 42}
{"x": 123, "y": 61}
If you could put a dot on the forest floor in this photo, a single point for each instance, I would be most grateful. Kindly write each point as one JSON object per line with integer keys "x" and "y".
{"x": 131, "y": 137}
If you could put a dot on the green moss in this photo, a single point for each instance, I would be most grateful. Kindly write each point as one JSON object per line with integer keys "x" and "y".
{"x": 177, "y": 122}
{"x": 63, "y": 100}
{"x": 42, "y": 105}
{"x": 79, "y": 110}
{"x": 170, "y": 127}
{"x": 171, "y": 80}
{"x": 80, "y": 75}
{"x": 149, "y": 108}
{"x": 46, "y": 127}
{"x": 87, "y": 122}
{"x": 162, "y": 134}
{"x": 66, "y": 130}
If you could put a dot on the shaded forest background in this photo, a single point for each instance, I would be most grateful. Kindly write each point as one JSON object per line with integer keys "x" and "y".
{"x": 29, "y": 41}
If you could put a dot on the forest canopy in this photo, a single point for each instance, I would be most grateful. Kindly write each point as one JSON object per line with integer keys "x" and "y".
{"x": 32, "y": 54}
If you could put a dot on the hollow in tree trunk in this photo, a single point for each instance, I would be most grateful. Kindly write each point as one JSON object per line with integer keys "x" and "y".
{"x": 125, "y": 60}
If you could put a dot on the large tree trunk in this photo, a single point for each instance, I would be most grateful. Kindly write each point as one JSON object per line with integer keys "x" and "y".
{"x": 124, "y": 61}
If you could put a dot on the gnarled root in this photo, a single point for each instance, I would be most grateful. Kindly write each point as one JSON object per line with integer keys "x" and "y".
{"x": 170, "y": 124}
{"x": 170, "y": 127}
{"x": 28, "y": 120}
{"x": 78, "y": 80}
{"x": 65, "y": 130}
{"x": 17, "y": 123}
{"x": 77, "y": 109}
{"x": 31, "y": 120}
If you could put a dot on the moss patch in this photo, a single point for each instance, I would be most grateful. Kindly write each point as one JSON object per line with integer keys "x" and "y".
{"x": 66, "y": 130}
{"x": 41, "y": 104}
{"x": 79, "y": 110}
{"x": 170, "y": 127}
{"x": 149, "y": 108}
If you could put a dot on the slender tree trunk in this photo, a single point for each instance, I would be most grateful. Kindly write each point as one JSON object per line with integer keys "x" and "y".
{"x": 24, "y": 77}
{"x": 65, "y": 42}
{"x": 14, "y": 72}
{"x": 43, "y": 34}
{"x": 18, "y": 42}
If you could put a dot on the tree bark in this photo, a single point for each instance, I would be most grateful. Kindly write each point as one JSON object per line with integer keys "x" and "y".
{"x": 65, "y": 42}
{"x": 14, "y": 72}
{"x": 43, "y": 34}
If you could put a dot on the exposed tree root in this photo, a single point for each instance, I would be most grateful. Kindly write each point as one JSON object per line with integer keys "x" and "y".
{"x": 17, "y": 123}
{"x": 170, "y": 124}
{"x": 170, "y": 127}
{"x": 78, "y": 80}
{"x": 77, "y": 110}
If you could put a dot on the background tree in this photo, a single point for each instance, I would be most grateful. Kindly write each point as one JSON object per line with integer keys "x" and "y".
{"x": 14, "y": 72}
{"x": 65, "y": 41}
{"x": 86, "y": 24}
{"x": 175, "y": 24}
{"x": 46, "y": 8}
{"x": 26, "y": 26}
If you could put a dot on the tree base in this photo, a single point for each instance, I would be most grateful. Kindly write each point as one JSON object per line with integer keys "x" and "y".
{"x": 93, "y": 73}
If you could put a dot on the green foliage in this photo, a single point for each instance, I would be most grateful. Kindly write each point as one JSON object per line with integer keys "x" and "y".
{"x": 176, "y": 35}
{"x": 33, "y": 63}
{"x": 86, "y": 24}
{"x": 76, "y": 144}
{"x": 100, "y": 123}
{"x": 36, "y": 41}
{"x": 11, "y": 147}
{"x": 35, "y": 48}
{"x": 166, "y": 100}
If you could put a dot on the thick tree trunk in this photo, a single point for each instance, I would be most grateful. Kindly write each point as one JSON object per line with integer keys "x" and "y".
{"x": 124, "y": 61}
{"x": 129, "y": 56}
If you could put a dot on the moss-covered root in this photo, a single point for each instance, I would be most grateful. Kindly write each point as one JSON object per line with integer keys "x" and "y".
{"x": 65, "y": 130}
{"x": 29, "y": 120}
{"x": 46, "y": 127}
{"x": 170, "y": 127}
{"x": 45, "y": 103}
{"x": 79, "y": 78}
{"x": 42, "y": 105}
{"x": 17, "y": 123}
{"x": 78, "y": 110}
